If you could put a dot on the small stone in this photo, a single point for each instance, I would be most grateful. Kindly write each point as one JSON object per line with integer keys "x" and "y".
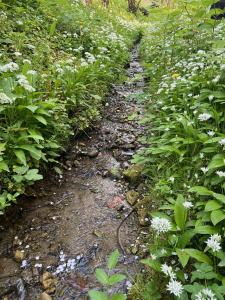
{"x": 93, "y": 153}
{"x": 76, "y": 163}
{"x": 133, "y": 173}
{"x": 132, "y": 197}
{"x": 97, "y": 233}
{"x": 19, "y": 256}
{"x": 115, "y": 173}
{"x": 115, "y": 202}
{"x": 48, "y": 282}
{"x": 45, "y": 296}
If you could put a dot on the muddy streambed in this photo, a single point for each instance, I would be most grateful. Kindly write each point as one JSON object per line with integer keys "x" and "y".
{"x": 68, "y": 225}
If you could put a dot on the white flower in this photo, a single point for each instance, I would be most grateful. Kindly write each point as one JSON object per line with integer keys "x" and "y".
{"x": 222, "y": 142}
{"x": 220, "y": 173}
{"x": 214, "y": 242}
{"x": 205, "y": 294}
{"x": 201, "y": 155}
{"x": 211, "y": 133}
{"x": 10, "y": 67}
{"x": 161, "y": 225}
{"x": 171, "y": 179}
{"x": 17, "y": 53}
{"x": 204, "y": 117}
{"x": 4, "y": 99}
{"x": 211, "y": 97}
{"x": 168, "y": 271}
{"x": 153, "y": 256}
{"x": 32, "y": 72}
{"x": 188, "y": 204}
{"x": 22, "y": 80}
{"x": 216, "y": 79}
{"x": 27, "y": 61}
{"x": 175, "y": 288}
{"x": 204, "y": 170}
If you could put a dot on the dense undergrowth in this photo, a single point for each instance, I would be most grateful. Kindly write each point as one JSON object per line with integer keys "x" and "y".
{"x": 54, "y": 72}
{"x": 183, "y": 52}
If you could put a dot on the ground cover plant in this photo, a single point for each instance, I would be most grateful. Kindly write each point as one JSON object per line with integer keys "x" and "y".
{"x": 54, "y": 72}
{"x": 183, "y": 52}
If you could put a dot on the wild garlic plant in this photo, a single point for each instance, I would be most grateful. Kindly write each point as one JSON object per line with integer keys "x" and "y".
{"x": 185, "y": 162}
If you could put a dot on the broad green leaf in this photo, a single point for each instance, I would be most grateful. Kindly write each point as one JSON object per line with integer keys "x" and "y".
{"x": 116, "y": 278}
{"x": 95, "y": 295}
{"x": 36, "y": 135}
{"x": 205, "y": 229}
{"x": 183, "y": 257}
{"x": 180, "y": 212}
{"x": 113, "y": 259}
{"x": 219, "y": 197}
{"x": 154, "y": 264}
{"x": 212, "y": 205}
{"x": 217, "y": 216}
{"x": 201, "y": 190}
{"x": 21, "y": 156}
{"x": 185, "y": 238}
{"x": 2, "y": 147}
{"x": 41, "y": 119}
{"x": 35, "y": 153}
{"x": 119, "y": 297}
{"x": 32, "y": 175}
{"x": 32, "y": 108}
{"x": 216, "y": 162}
{"x": 4, "y": 166}
{"x": 198, "y": 255}
{"x": 101, "y": 276}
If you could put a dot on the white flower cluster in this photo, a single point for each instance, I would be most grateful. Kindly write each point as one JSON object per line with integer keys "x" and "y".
{"x": 214, "y": 242}
{"x": 204, "y": 117}
{"x": 4, "y": 99}
{"x": 188, "y": 204}
{"x": 10, "y": 67}
{"x": 205, "y": 294}
{"x": 220, "y": 173}
{"x": 161, "y": 225}
{"x": 22, "y": 80}
{"x": 174, "y": 287}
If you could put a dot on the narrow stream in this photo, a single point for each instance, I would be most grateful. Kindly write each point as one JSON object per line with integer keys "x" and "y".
{"x": 68, "y": 226}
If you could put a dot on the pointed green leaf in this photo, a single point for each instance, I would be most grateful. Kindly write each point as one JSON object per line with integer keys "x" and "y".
{"x": 113, "y": 259}
{"x": 180, "y": 212}
{"x": 217, "y": 216}
{"x": 95, "y": 295}
{"x": 198, "y": 255}
{"x": 101, "y": 276}
{"x": 212, "y": 205}
{"x": 183, "y": 257}
{"x": 21, "y": 156}
{"x": 116, "y": 278}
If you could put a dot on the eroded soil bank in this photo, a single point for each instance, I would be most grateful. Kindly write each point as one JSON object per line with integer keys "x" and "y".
{"x": 69, "y": 225}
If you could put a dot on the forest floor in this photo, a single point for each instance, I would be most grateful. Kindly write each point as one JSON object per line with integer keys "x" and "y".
{"x": 54, "y": 239}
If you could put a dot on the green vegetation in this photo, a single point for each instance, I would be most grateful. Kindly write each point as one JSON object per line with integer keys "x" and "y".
{"x": 55, "y": 70}
{"x": 183, "y": 52}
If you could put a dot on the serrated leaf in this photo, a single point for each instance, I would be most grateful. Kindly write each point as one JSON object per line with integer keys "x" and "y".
{"x": 116, "y": 278}
{"x": 154, "y": 264}
{"x": 101, "y": 276}
{"x": 32, "y": 175}
{"x": 119, "y": 297}
{"x": 95, "y": 295}
{"x": 21, "y": 156}
{"x": 113, "y": 259}
{"x": 4, "y": 166}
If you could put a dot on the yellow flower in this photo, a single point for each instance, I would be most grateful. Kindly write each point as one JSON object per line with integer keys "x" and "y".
{"x": 175, "y": 75}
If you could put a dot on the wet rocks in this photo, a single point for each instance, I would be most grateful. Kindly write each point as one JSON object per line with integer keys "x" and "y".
{"x": 115, "y": 173}
{"x": 48, "y": 282}
{"x": 133, "y": 173}
{"x": 19, "y": 256}
{"x": 45, "y": 296}
{"x": 92, "y": 153}
{"x": 132, "y": 197}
